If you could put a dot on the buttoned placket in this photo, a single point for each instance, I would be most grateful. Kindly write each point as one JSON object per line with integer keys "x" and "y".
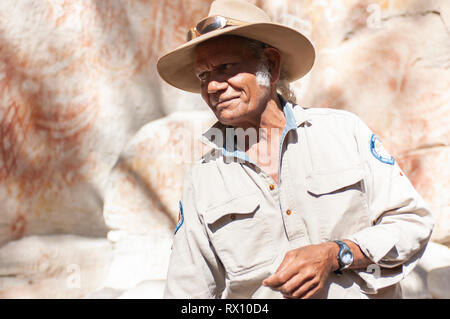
{"x": 272, "y": 186}
{"x": 291, "y": 213}
{"x": 293, "y": 225}
{"x": 282, "y": 192}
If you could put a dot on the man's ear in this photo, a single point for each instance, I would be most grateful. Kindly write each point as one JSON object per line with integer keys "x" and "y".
{"x": 273, "y": 59}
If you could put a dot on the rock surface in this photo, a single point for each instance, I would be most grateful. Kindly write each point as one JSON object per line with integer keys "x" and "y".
{"x": 93, "y": 143}
{"x": 53, "y": 266}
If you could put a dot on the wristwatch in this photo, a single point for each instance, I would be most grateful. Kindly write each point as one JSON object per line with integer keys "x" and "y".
{"x": 344, "y": 257}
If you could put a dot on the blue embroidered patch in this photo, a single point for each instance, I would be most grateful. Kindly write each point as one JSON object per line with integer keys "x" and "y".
{"x": 180, "y": 218}
{"x": 379, "y": 152}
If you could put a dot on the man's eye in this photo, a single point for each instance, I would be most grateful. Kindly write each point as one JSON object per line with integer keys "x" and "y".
{"x": 227, "y": 66}
{"x": 202, "y": 76}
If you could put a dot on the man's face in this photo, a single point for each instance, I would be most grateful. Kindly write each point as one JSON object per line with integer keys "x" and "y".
{"x": 226, "y": 69}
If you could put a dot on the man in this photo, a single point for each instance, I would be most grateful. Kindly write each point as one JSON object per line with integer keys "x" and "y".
{"x": 290, "y": 202}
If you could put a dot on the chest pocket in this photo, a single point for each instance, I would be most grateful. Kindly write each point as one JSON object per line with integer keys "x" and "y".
{"x": 240, "y": 234}
{"x": 339, "y": 202}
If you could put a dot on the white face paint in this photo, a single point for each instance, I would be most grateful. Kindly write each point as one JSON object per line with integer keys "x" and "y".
{"x": 263, "y": 76}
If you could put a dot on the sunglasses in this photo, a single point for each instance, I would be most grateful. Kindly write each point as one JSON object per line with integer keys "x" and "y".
{"x": 210, "y": 24}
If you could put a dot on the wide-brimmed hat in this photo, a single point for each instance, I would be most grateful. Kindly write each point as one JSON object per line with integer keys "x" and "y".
{"x": 297, "y": 53}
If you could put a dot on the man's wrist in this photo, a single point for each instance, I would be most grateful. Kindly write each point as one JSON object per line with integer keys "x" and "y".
{"x": 333, "y": 256}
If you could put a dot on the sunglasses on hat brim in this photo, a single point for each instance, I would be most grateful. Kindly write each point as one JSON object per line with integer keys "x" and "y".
{"x": 210, "y": 24}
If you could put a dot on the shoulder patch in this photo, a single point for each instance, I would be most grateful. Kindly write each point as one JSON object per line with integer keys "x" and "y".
{"x": 180, "y": 217}
{"x": 379, "y": 152}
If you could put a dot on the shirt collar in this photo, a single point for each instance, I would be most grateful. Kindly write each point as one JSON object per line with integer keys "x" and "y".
{"x": 291, "y": 122}
{"x": 295, "y": 114}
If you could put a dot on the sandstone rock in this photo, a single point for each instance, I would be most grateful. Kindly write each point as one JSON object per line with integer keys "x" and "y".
{"x": 78, "y": 84}
{"x": 77, "y": 81}
{"x": 58, "y": 266}
{"x": 430, "y": 278}
{"x": 141, "y": 198}
{"x": 439, "y": 282}
{"x": 150, "y": 289}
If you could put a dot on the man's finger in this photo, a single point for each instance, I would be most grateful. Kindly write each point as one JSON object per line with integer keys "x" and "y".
{"x": 285, "y": 272}
{"x": 307, "y": 290}
{"x": 295, "y": 283}
{"x": 273, "y": 281}
{"x": 278, "y": 279}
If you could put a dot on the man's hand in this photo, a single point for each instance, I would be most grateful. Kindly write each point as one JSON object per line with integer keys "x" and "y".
{"x": 303, "y": 271}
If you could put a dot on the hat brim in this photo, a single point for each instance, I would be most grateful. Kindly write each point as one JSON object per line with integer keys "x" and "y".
{"x": 297, "y": 53}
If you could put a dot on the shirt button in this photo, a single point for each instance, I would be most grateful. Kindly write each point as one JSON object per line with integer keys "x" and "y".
{"x": 288, "y": 212}
{"x": 272, "y": 187}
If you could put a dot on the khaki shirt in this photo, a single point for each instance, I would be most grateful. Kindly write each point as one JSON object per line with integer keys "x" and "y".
{"x": 335, "y": 182}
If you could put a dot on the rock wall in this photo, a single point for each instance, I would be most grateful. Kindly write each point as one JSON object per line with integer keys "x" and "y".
{"x": 94, "y": 145}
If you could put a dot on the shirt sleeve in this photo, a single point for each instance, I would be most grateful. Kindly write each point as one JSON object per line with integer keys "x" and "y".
{"x": 401, "y": 221}
{"x": 194, "y": 270}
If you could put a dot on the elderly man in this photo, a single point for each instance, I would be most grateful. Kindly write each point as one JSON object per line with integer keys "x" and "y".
{"x": 289, "y": 202}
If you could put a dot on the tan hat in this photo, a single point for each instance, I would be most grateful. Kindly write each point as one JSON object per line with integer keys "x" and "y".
{"x": 247, "y": 20}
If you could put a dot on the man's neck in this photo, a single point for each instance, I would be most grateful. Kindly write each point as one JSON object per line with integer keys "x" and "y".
{"x": 265, "y": 150}
{"x": 273, "y": 115}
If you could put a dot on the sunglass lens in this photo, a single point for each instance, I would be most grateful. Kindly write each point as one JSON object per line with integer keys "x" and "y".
{"x": 205, "y": 26}
{"x": 211, "y": 27}
{"x": 211, "y": 24}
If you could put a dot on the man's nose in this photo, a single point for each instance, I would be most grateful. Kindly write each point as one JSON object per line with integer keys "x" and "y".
{"x": 216, "y": 85}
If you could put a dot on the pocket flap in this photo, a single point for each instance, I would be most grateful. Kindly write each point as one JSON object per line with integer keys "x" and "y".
{"x": 244, "y": 204}
{"x": 320, "y": 184}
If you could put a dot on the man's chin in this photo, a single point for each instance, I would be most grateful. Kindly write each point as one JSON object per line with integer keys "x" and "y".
{"x": 227, "y": 120}
{"x": 225, "y": 115}
{"x": 231, "y": 114}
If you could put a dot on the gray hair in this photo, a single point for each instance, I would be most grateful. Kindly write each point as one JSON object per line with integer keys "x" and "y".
{"x": 282, "y": 86}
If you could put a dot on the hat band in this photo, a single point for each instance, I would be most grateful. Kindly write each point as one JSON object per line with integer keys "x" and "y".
{"x": 210, "y": 24}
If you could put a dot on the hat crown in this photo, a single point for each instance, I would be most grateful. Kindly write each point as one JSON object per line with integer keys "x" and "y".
{"x": 239, "y": 10}
{"x": 297, "y": 52}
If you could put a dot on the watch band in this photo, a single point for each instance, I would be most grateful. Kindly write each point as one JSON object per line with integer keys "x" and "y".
{"x": 342, "y": 246}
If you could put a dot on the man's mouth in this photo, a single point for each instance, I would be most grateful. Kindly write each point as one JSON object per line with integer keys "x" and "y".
{"x": 224, "y": 102}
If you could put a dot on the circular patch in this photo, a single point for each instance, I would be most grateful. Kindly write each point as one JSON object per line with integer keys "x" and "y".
{"x": 379, "y": 152}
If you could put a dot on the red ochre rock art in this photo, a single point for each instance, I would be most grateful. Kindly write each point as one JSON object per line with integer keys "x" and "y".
{"x": 18, "y": 227}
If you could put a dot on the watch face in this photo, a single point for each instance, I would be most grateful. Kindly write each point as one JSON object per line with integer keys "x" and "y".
{"x": 347, "y": 258}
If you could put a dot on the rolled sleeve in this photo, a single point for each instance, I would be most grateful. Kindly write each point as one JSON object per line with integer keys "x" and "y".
{"x": 194, "y": 271}
{"x": 401, "y": 221}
